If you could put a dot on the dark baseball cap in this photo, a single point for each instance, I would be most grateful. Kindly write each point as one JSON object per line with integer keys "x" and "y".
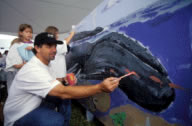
{"x": 46, "y": 38}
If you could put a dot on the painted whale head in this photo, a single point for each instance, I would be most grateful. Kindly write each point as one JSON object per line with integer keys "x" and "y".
{"x": 115, "y": 55}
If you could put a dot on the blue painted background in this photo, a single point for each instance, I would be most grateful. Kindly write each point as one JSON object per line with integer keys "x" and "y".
{"x": 165, "y": 27}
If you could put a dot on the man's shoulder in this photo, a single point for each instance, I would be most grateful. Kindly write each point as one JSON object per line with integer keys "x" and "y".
{"x": 31, "y": 65}
{"x": 33, "y": 62}
{"x": 31, "y": 70}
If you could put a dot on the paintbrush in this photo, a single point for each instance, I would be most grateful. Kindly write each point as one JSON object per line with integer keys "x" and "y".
{"x": 131, "y": 73}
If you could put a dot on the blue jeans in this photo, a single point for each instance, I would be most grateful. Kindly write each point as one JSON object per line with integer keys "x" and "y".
{"x": 45, "y": 114}
{"x": 63, "y": 106}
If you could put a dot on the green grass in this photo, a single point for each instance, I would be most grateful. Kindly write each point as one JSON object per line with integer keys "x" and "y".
{"x": 78, "y": 116}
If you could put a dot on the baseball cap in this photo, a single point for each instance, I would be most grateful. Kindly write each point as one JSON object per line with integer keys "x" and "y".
{"x": 46, "y": 38}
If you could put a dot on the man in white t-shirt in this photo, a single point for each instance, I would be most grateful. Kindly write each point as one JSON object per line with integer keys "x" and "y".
{"x": 34, "y": 82}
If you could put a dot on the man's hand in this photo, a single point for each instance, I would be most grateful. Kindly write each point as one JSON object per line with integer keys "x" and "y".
{"x": 109, "y": 84}
{"x": 70, "y": 80}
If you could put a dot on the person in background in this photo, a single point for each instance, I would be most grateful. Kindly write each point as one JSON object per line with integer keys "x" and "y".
{"x": 2, "y": 72}
{"x": 14, "y": 60}
{"x": 58, "y": 66}
{"x": 5, "y": 53}
{"x": 3, "y": 75}
{"x": 35, "y": 81}
{"x": 2, "y": 66}
{"x": 2, "y": 60}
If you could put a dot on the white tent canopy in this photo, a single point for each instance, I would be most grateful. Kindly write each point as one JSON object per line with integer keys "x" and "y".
{"x": 42, "y": 13}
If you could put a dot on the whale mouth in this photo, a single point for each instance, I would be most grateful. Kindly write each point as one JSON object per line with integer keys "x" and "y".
{"x": 116, "y": 55}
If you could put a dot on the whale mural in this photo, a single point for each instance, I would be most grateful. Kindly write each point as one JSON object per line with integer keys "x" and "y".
{"x": 153, "y": 42}
{"x": 115, "y": 55}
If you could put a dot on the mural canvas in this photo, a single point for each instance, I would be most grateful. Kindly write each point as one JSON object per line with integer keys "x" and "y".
{"x": 153, "y": 41}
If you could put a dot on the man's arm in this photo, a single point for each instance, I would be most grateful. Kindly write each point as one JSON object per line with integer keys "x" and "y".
{"x": 74, "y": 92}
{"x": 68, "y": 39}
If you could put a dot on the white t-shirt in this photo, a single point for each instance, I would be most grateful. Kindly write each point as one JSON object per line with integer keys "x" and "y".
{"x": 58, "y": 65}
{"x": 13, "y": 56}
{"x": 31, "y": 84}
